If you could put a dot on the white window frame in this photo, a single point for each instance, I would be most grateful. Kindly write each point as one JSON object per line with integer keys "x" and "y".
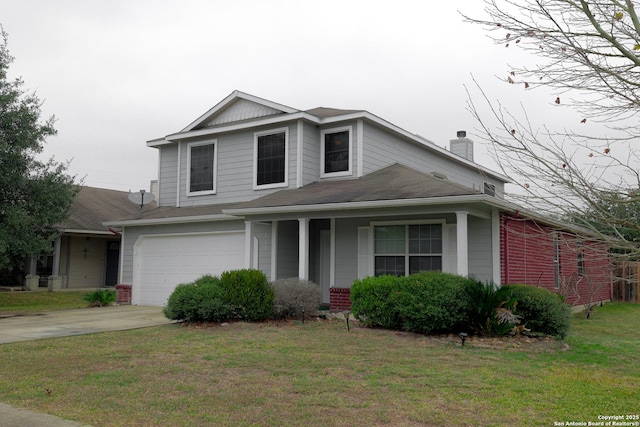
{"x": 445, "y": 236}
{"x": 286, "y": 159}
{"x": 213, "y": 142}
{"x": 324, "y": 132}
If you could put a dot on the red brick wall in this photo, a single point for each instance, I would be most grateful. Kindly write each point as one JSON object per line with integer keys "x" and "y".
{"x": 123, "y": 294}
{"x": 527, "y": 255}
{"x": 339, "y": 299}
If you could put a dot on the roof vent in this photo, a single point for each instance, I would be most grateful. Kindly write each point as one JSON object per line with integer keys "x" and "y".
{"x": 462, "y": 146}
{"x": 439, "y": 175}
{"x": 489, "y": 189}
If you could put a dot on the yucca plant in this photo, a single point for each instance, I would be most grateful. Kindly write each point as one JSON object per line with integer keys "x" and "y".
{"x": 101, "y": 298}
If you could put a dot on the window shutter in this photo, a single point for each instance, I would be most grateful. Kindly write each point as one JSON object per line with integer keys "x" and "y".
{"x": 365, "y": 256}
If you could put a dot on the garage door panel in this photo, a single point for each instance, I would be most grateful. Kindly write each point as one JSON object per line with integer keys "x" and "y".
{"x": 163, "y": 262}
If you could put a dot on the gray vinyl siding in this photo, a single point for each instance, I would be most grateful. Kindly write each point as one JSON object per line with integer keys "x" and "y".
{"x": 234, "y": 177}
{"x": 262, "y": 233}
{"x": 346, "y": 261}
{"x": 310, "y": 154}
{"x": 131, "y": 235}
{"x": 480, "y": 256}
{"x": 381, "y": 149}
{"x": 167, "y": 179}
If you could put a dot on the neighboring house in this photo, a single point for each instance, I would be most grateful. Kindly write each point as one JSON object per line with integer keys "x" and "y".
{"x": 87, "y": 253}
{"x": 325, "y": 194}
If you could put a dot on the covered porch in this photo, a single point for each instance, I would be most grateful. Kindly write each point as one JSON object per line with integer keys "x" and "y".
{"x": 334, "y": 251}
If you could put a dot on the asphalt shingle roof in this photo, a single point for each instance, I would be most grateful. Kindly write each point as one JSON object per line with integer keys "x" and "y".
{"x": 391, "y": 183}
{"x": 93, "y": 206}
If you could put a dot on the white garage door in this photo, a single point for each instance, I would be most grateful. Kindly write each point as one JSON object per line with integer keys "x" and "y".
{"x": 163, "y": 262}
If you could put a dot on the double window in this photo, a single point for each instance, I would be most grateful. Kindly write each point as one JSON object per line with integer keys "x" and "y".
{"x": 202, "y": 160}
{"x": 270, "y": 167}
{"x": 402, "y": 250}
{"x": 335, "y": 151}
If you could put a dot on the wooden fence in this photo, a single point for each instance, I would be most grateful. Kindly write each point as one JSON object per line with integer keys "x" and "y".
{"x": 625, "y": 282}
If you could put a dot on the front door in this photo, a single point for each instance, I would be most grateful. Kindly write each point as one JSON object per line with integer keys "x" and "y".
{"x": 113, "y": 258}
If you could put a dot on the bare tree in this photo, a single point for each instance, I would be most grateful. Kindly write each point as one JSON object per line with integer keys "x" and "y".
{"x": 587, "y": 57}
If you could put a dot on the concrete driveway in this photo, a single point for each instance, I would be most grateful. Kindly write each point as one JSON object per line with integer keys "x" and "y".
{"x": 78, "y": 322}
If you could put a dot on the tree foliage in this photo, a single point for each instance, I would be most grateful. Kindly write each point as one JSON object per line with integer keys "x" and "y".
{"x": 587, "y": 58}
{"x": 35, "y": 196}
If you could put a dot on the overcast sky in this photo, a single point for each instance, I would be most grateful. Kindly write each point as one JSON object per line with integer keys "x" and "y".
{"x": 119, "y": 73}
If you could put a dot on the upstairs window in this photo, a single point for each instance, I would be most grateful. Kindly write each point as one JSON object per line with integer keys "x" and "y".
{"x": 201, "y": 158}
{"x": 271, "y": 159}
{"x": 402, "y": 250}
{"x": 336, "y": 151}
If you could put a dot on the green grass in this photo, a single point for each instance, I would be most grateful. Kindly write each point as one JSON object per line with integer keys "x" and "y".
{"x": 33, "y": 302}
{"x": 317, "y": 373}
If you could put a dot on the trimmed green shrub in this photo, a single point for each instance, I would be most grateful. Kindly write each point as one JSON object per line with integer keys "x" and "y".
{"x": 542, "y": 311}
{"x": 485, "y": 300}
{"x": 201, "y": 301}
{"x": 372, "y": 304}
{"x": 427, "y": 302}
{"x": 432, "y": 302}
{"x": 292, "y": 293}
{"x": 100, "y": 298}
{"x": 249, "y": 293}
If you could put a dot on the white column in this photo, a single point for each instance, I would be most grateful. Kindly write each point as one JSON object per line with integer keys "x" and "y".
{"x": 248, "y": 244}
{"x": 274, "y": 250}
{"x": 495, "y": 247}
{"x": 303, "y": 248}
{"x": 463, "y": 243}
{"x": 332, "y": 254}
{"x": 56, "y": 257}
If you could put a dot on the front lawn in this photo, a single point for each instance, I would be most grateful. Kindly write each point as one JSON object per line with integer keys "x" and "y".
{"x": 318, "y": 373}
{"x": 31, "y": 302}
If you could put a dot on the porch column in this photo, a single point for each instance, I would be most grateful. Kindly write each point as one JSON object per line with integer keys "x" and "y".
{"x": 56, "y": 257}
{"x": 274, "y": 250}
{"x": 495, "y": 246}
{"x": 248, "y": 244}
{"x": 303, "y": 248}
{"x": 33, "y": 265}
{"x": 463, "y": 243}
{"x": 332, "y": 254}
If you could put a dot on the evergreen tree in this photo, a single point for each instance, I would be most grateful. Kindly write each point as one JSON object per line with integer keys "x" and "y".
{"x": 35, "y": 196}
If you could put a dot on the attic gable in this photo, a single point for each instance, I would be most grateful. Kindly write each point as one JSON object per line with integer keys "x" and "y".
{"x": 237, "y": 107}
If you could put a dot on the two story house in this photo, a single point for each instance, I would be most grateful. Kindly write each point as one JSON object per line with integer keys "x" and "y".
{"x": 325, "y": 194}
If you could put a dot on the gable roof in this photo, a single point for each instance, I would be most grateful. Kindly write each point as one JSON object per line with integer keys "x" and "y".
{"x": 238, "y": 106}
{"x": 240, "y": 111}
{"x": 395, "y": 182}
{"x": 94, "y": 206}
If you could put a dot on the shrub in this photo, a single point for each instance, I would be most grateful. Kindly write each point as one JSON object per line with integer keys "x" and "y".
{"x": 372, "y": 304}
{"x": 486, "y": 300}
{"x": 292, "y": 293}
{"x": 200, "y": 301}
{"x": 542, "y": 311}
{"x": 432, "y": 301}
{"x": 101, "y": 298}
{"x": 427, "y": 302}
{"x": 249, "y": 293}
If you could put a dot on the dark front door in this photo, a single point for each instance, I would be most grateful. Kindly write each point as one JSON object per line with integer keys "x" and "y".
{"x": 113, "y": 258}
